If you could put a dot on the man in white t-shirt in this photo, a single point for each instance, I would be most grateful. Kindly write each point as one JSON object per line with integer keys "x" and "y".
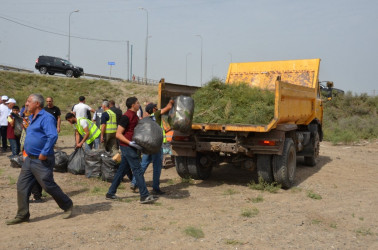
{"x": 81, "y": 109}
{"x": 4, "y": 112}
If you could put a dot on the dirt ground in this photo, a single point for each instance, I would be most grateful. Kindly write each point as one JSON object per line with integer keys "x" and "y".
{"x": 345, "y": 218}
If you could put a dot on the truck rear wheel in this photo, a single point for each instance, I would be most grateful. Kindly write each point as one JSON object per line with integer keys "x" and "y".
{"x": 197, "y": 167}
{"x": 315, "y": 142}
{"x": 264, "y": 167}
{"x": 182, "y": 166}
{"x": 284, "y": 165}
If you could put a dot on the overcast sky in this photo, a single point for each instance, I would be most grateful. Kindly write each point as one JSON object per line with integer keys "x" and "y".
{"x": 343, "y": 33}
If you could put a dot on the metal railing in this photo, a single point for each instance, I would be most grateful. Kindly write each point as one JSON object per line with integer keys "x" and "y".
{"x": 144, "y": 81}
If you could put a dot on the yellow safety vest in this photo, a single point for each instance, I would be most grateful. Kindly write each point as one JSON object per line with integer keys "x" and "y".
{"x": 161, "y": 125}
{"x": 94, "y": 132}
{"x": 111, "y": 124}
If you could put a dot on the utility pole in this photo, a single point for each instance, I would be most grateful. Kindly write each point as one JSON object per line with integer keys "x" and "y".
{"x": 145, "y": 60}
{"x": 131, "y": 63}
{"x": 128, "y": 62}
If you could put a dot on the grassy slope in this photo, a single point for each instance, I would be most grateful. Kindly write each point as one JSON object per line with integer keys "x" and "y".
{"x": 347, "y": 118}
{"x": 66, "y": 91}
{"x": 350, "y": 118}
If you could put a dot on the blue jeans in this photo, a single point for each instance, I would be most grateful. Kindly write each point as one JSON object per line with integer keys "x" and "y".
{"x": 157, "y": 162}
{"x": 130, "y": 161}
{"x": 94, "y": 145}
{"x": 15, "y": 146}
{"x": 32, "y": 171}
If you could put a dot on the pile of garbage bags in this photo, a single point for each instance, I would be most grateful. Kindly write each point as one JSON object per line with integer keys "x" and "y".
{"x": 93, "y": 163}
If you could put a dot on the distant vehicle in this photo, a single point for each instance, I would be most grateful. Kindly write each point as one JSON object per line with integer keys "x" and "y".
{"x": 52, "y": 65}
{"x": 329, "y": 91}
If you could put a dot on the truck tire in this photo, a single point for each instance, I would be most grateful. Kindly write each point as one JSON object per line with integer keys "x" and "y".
{"x": 315, "y": 142}
{"x": 182, "y": 166}
{"x": 284, "y": 165}
{"x": 196, "y": 170}
{"x": 264, "y": 168}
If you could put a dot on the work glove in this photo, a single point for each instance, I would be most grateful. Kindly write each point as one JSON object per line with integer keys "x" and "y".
{"x": 134, "y": 145}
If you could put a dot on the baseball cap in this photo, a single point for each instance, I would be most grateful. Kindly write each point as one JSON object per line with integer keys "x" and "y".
{"x": 4, "y": 98}
{"x": 11, "y": 100}
{"x": 150, "y": 107}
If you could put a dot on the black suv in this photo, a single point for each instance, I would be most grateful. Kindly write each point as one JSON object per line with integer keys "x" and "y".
{"x": 52, "y": 65}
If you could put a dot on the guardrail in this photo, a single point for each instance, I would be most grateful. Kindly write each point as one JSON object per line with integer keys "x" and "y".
{"x": 104, "y": 77}
{"x": 136, "y": 79}
{"x": 5, "y": 67}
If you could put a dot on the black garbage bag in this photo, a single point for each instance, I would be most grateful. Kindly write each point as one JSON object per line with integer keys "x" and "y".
{"x": 76, "y": 162}
{"x": 16, "y": 161}
{"x": 18, "y": 126}
{"x": 108, "y": 168}
{"x": 61, "y": 161}
{"x": 149, "y": 135}
{"x": 93, "y": 163}
{"x": 180, "y": 117}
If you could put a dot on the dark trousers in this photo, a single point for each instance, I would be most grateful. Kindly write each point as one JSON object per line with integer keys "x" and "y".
{"x": 3, "y": 132}
{"x": 34, "y": 170}
{"x": 15, "y": 146}
{"x": 37, "y": 191}
{"x": 130, "y": 161}
{"x": 110, "y": 143}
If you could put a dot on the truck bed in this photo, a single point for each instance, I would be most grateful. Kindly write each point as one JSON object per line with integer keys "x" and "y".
{"x": 294, "y": 83}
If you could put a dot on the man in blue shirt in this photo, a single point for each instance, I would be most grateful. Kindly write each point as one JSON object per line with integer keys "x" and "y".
{"x": 41, "y": 136}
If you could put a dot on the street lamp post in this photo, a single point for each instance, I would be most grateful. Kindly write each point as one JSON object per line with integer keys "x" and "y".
{"x": 201, "y": 55}
{"x": 145, "y": 59}
{"x": 69, "y": 34}
{"x": 186, "y": 68}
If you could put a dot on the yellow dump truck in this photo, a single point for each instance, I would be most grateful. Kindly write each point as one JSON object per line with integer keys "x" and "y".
{"x": 270, "y": 149}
